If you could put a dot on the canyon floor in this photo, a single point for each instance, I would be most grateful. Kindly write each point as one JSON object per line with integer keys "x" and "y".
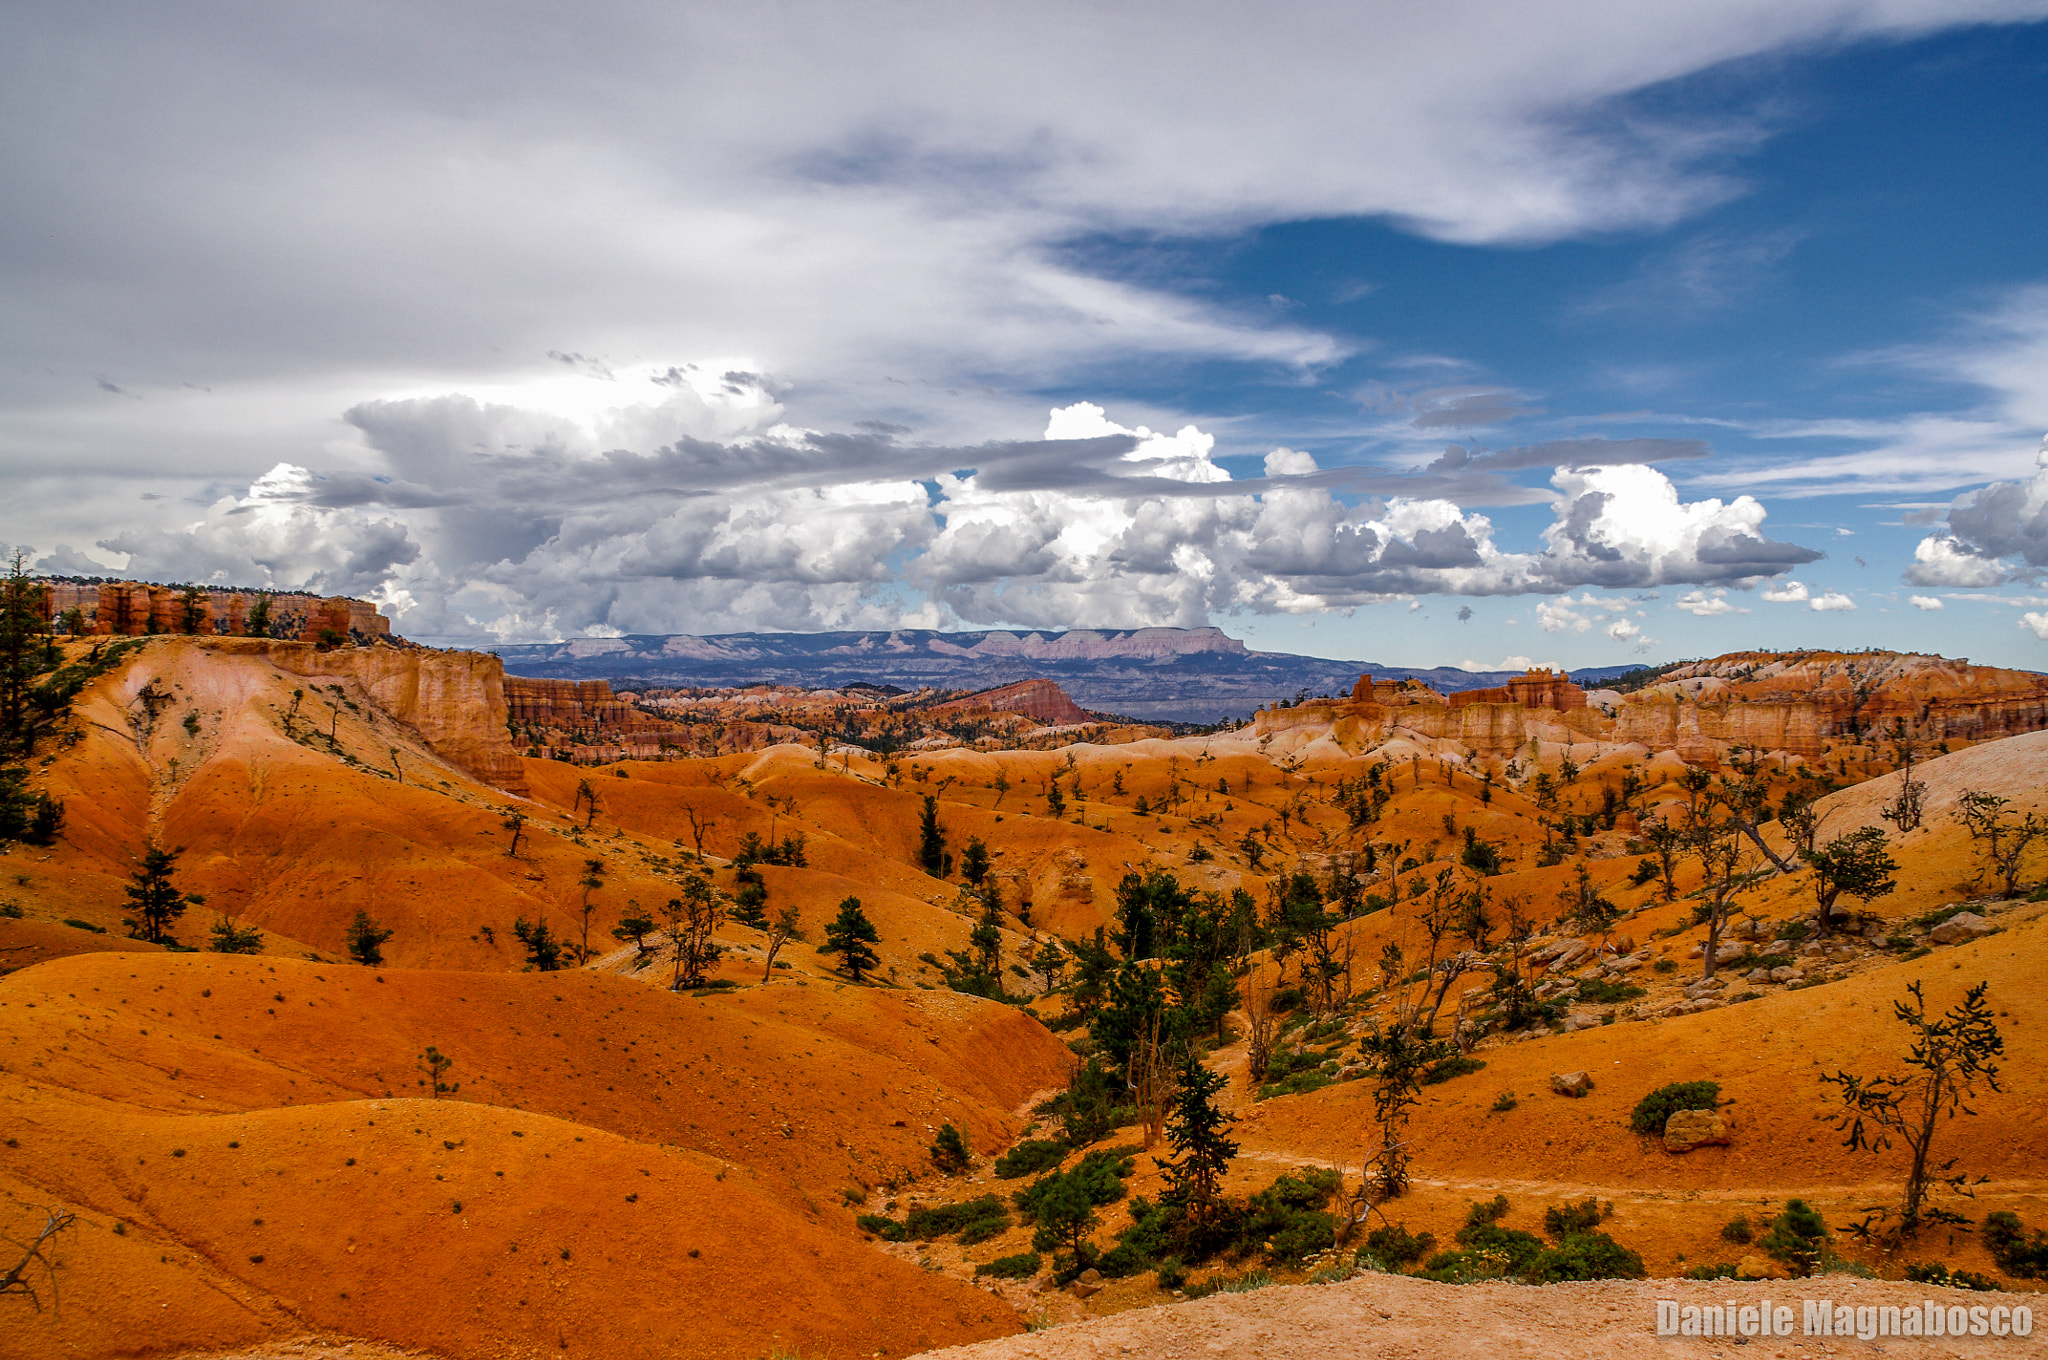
{"x": 625, "y": 1169}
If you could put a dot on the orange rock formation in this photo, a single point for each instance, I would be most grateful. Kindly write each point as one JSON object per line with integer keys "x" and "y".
{"x": 133, "y": 609}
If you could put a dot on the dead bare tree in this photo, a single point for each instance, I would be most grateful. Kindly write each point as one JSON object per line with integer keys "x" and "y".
{"x": 697, "y": 828}
{"x": 1151, "y": 1078}
{"x": 1904, "y": 811}
{"x": 1262, "y": 1025}
{"x": 38, "y": 1252}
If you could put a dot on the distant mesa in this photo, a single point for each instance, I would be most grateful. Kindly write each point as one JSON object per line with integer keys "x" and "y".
{"x": 1187, "y": 675}
{"x": 586, "y": 722}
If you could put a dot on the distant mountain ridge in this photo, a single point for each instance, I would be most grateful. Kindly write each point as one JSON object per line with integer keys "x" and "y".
{"x": 1171, "y": 674}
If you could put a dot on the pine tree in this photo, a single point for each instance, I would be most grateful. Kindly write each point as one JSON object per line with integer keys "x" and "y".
{"x": 229, "y": 938}
{"x": 21, "y": 598}
{"x": 931, "y": 839}
{"x": 366, "y": 940}
{"x": 851, "y": 936}
{"x": 543, "y": 950}
{"x": 156, "y": 899}
{"x": 986, "y": 940}
{"x": 974, "y": 861}
{"x": 1194, "y": 1130}
{"x": 949, "y": 1150}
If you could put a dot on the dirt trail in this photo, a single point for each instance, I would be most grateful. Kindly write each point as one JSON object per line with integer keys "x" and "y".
{"x": 1396, "y": 1316}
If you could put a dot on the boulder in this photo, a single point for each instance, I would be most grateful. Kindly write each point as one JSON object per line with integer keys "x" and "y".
{"x": 1758, "y": 1268}
{"x": 1688, "y": 1129}
{"x": 1581, "y": 1021}
{"x": 1786, "y": 973}
{"x": 1966, "y": 925}
{"x": 1573, "y": 1084}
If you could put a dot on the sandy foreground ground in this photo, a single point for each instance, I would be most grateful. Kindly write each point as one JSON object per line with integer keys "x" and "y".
{"x": 1395, "y": 1316}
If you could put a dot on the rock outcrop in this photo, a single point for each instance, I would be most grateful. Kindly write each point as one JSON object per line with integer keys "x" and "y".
{"x": 1041, "y": 700}
{"x": 1688, "y": 1129}
{"x": 136, "y": 609}
{"x": 454, "y": 700}
{"x": 1807, "y": 705}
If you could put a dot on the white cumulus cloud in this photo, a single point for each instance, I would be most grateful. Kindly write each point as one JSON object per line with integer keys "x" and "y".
{"x": 1832, "y": 600}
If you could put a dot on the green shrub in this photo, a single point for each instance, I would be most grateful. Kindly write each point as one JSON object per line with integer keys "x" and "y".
{"x": 1655, "y": 1108}
{"x": 2022, "y": 1255}
{"x": 1564, "y": 1220}
{"x": 882, "y": 1226}
{"x": 1396, "y": 1246}
{"x": 1457, "y": 1066}
{"x": 1172, "y": 1274}
{"x": 1504, "y": 1102}
{"x": 1797, "y": 1239}
{"x": 85, "y": 925}
{"x": 1720, "y": 1270}
{"x": 1602, "y": 992}
{"x": 1100, "y": 1174}
{"x": 1122, "y": 1261}
{"x": 1585, "y": 1256}
{"x": 1288, "y": 1216}
{"x": 1030, "y": 1157}
{"x": 974, "y": 1220}
{"x": 1019, "y": 1267}
{"x": 1664, "y": 966}
{"x": 1738, "y": 1231}
{"x": 1935, "y": 1273}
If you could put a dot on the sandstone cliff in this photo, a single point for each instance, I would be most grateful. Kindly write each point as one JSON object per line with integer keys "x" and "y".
{"x": 135, "y": 609}
{"x": 454, "y": 700}
{"x": 1804, "y": 704}
{"x": 1038, "y": 699}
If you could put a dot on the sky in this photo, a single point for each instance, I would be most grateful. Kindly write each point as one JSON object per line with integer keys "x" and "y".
{"x": 1472, "y": 333}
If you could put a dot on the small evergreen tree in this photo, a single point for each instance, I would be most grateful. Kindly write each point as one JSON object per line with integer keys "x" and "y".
{"x": 366, "y": 940}
{"x": 931, "y": 839}
{"x": 986, "y": 939}
{"x": 21, "y": 621}
{"x": 592, "y": 880}
{"x": 750, "y": 897}
{"x": 974, "y": 861}
{"x": 1797, "y": 1239}
{"x": 435, "y": 1064}
{"x": 156, "y": 900}
{"x": 1066, "y": 1215}
{"x": 1856, "y": 864}
{"x": 635, "y": 929}
{"x": 543, "y": 950}
{"x": 229, "y": 938}
{"x": 1194, "y": 1130}
{"x": 257, "y": 624}
{"x": 694, "y": 919}
{"x": 949, "y": 1150}
{"x": 851, "y": 936}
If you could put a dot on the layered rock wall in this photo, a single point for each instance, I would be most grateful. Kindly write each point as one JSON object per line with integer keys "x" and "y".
{"x": 136, "y": 609}
{"x": 454, "y": 700}
{"x": 1800, "y": 704}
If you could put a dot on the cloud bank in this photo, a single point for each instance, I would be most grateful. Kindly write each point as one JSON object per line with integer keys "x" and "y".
{"x": 488, "y": 520}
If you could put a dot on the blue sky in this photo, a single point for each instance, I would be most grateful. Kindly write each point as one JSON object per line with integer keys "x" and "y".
{"x": 534, "y": 325}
